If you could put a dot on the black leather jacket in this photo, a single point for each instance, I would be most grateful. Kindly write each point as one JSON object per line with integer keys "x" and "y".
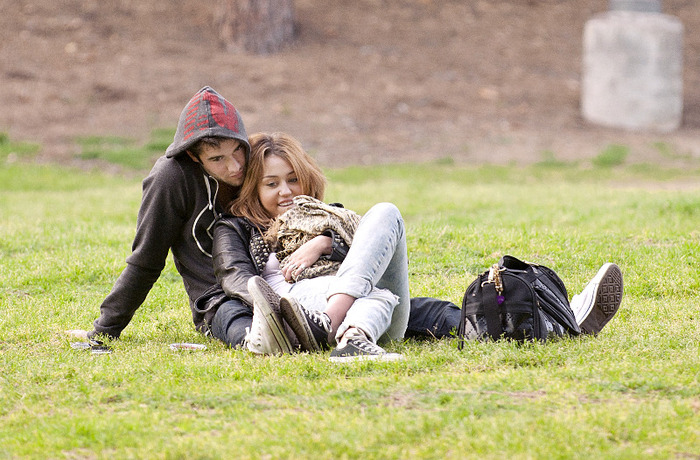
{"x": 238, "y": 254}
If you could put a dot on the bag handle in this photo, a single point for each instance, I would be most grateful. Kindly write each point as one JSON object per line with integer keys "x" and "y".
{"x": 491, "y": 310}
{"x": 513, "y": 263}
{"x": 491, "y": 290}
{"x": 491, "y": 293}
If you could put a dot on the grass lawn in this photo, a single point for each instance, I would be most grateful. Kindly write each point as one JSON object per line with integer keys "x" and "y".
{"x": 631, "y": 392}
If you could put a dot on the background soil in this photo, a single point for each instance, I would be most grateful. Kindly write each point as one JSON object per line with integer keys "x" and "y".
{"x": 366, "y": 81}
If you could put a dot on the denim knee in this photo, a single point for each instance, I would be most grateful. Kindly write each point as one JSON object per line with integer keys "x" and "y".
{"x": 231, "y": 321}
{"x": 389, "y": 210}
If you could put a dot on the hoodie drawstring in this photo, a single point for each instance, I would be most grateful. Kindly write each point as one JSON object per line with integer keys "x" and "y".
{"x": 211, "y": 207}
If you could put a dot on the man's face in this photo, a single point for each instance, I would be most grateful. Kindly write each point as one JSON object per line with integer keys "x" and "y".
{"x": 225, "y": 163}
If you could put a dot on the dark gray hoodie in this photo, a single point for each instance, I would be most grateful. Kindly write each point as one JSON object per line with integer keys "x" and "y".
{"x": 177, "y": 213}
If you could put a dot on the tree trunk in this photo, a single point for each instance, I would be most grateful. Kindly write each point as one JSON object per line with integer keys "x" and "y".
{"x": 255, "y": 26}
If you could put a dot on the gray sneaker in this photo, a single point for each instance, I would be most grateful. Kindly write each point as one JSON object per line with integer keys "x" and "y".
{"x": 355, "y": 346}
{"x": 266, "y": 335}
{"x": 599, "y": 300}
{"x": 311, "y": 327}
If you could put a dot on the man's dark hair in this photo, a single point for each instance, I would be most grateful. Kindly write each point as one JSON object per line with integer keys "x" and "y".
{"x": 211, "y": 141}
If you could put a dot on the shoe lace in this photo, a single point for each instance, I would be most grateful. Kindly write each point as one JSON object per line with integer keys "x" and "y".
{"x": 254, "y": 339}
{"x": 320, "y": 319}
{"x": 366, "y": 346}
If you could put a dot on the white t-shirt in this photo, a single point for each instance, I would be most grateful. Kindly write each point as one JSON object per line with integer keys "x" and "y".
{"x": 272, "y": 274}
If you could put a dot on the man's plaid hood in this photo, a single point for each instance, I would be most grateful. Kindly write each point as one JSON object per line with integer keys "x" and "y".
{"x": 207, "y": 114}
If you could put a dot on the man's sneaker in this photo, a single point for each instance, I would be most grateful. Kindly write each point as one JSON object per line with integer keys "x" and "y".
{"x": 355, "y": 346}
{"x": 311, "y": 327}
{"x": 266, "y": 335}
{"x": 599, "y": 300}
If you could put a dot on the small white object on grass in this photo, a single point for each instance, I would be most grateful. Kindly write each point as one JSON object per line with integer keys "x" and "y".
{"x": 187, "y": 346}
{"x": 78, "y": 333}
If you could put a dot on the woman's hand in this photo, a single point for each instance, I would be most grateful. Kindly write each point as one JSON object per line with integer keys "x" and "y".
{"x": 304, "y": 257}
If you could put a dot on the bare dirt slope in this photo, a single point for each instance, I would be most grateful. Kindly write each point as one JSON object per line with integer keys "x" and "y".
{"x": 367, "y": 81}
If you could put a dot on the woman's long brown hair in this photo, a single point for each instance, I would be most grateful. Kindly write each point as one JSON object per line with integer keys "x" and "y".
{"x": 310, "y": 176}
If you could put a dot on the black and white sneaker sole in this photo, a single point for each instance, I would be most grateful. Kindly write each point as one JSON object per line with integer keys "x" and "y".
{"x": 353, "y": 358}
{"x": 267, "y": 302}
{"x": 608, "y": 297}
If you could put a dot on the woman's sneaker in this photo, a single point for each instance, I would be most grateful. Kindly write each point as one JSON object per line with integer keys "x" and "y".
{"x": 599, "y": 300}
{"x": 355, "y": 346}
{"x": 266, "y": 335}
{"x": 310, "y": 327}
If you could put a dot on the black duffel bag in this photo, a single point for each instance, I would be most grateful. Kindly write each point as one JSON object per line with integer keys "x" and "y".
{"x": 516, "y": 300}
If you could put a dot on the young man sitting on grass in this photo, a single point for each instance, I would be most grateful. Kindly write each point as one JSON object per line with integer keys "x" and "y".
{"x": 201, "y": 171}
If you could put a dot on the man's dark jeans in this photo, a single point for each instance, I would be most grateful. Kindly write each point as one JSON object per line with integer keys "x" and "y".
{"x": 432, "y": 318}
{"x": 231, "y": 321}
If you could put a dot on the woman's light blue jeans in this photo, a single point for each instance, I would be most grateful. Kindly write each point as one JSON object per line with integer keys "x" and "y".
{"x": 375, "y": 272}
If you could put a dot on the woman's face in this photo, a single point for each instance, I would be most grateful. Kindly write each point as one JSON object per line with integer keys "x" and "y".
{"x": 278, "y": 185}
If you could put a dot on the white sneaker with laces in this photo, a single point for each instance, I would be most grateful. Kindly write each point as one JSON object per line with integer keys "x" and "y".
{"x": 599, "y": 300}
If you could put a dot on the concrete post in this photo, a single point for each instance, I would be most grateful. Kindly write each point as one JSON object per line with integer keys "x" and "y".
{"x": 648, "y": 6}
{"x": 632, "y": 69}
